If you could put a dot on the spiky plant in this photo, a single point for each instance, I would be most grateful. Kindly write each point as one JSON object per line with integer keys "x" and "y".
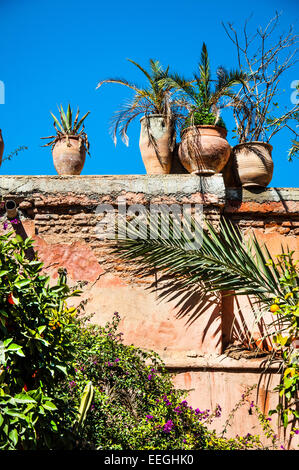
{"x": 155, "y": 98}
{"x": 67, "y": 127}
{"x": 199, "y": 97}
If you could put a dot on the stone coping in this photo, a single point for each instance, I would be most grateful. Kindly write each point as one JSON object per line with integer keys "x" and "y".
{"x": 216, "y": 362}
{"x": 164, "y": 188}
{"x": 107, "y": 184}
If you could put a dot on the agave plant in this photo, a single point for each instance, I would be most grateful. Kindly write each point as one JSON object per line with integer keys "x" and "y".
{"x": 202, "y": 103}
{"x": 67, "y": 127}
{"x": 155, "y": 98}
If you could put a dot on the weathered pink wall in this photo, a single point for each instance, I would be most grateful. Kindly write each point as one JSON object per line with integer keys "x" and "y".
{"x": 59, "y": 212}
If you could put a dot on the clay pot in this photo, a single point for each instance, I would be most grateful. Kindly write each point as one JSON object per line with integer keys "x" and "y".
{"x": 1, "y": 146}
{"x": 69, "y": 155}
{"x": 253, "y": 163}
{"x": 204, "y": 150}
{"x": 157, "y": 161}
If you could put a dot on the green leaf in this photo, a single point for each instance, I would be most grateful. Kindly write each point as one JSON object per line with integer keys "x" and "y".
{"x": 13, "y": 436}
{"x": 22, "y": 283}
{"x": 24, "y": 398}
{"x": 48, "y": 405}
{"x": 62, "y": 369}
{"x": 3, "y": 272}
{"x": 57, "y": 122}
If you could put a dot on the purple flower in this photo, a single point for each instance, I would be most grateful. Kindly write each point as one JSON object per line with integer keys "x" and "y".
{"x": 14, "y": 221}
{"x": 5, "y": 225}
{"x": 168, "y": 426}
{"x": 218, "y": 411}
{"x": 149, "y": 417}
{"x": 251, "y": 404}
{"x": 282, "y": 447}
{"x": 297, "y": 431}
{"x": 177, "y": 410}
{"x": 149, "y": 376}
{"x": 116, "y": 360}
{"x": 184, "y": 403}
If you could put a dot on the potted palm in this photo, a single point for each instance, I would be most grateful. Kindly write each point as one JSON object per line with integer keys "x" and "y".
{"x": 70, "y": 144}
{"x": 159, "y": 113}
{"x": 204, "y": 149}
{"x": 264, "y": 56}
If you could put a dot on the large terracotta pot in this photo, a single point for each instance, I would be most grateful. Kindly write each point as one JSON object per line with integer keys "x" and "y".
{"x": 69, "y": 155}
{"x": 253, "y": 163}
{"x": 156, "y": 157}
{"x": 1, "y": 146}
{"x": 204, "y": 150}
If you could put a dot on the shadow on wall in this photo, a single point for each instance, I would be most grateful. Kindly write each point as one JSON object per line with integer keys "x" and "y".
{"x": 236, "y": 326}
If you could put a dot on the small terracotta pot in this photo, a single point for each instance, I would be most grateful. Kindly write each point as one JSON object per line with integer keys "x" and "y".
{"x": 1, "y": 146}
{"x": 253, "y": 163}
{"x": 204, "y": 150}
{"x": 69, "y": 155}
{"x": 157, "y": 161}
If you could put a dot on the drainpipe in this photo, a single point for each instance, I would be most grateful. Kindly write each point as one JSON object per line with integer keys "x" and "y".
{"x": 12, "y": 213}
{"x": 11, "y": 209}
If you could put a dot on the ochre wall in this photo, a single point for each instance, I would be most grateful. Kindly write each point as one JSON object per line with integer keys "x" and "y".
{"x": 60, "y": 214}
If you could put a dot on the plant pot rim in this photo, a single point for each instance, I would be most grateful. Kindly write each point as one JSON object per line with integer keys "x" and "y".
{"x": 247, "y": 144}
{"x": 153, "y": 115}
{"x": 68, "y": 136}
{"x": 206, "y": 126}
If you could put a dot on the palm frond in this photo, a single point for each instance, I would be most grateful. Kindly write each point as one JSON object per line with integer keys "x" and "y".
{"x": 204, "y": 71}
{"x": 120, "y": 81}
{"x": 225, "y": 261}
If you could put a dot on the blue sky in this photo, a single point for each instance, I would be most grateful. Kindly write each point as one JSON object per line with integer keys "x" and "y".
{"x": 55, "y": 52}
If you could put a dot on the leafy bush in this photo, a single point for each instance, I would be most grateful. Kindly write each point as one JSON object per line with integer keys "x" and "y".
{"x": 36, "y": 352}
{"x": 135, "y": 405}
{"x": 204, "y": 117}
{"x": 68, "y": 385}
{"x": 286, "y": 325}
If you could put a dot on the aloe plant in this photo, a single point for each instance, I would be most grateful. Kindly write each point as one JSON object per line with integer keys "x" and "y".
{"x": 68, "y": 127}
{"x": 85, "y": 404}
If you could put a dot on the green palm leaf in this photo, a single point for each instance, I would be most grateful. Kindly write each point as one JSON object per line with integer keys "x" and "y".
{"x": 225, "y": 261}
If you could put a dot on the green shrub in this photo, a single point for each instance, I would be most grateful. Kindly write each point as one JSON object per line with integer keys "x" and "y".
{"x": 204, "y": 117}
{"x": 68, "y": 385}
{"x": 135, "y": 405}
{"x": 36, "y": 350}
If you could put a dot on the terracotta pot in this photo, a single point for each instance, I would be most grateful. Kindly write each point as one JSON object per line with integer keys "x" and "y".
{"x": 69, "y": 155}
{"x": 157, "y": 161}
{"x": 253, "y": 163}
{"x": 1, "y": 146}
{"x": 204, "y": 150}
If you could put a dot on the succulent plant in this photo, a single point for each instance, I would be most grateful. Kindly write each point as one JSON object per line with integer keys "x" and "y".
{"x": 67, "y": 127}
{"x": 85, "y": 404}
